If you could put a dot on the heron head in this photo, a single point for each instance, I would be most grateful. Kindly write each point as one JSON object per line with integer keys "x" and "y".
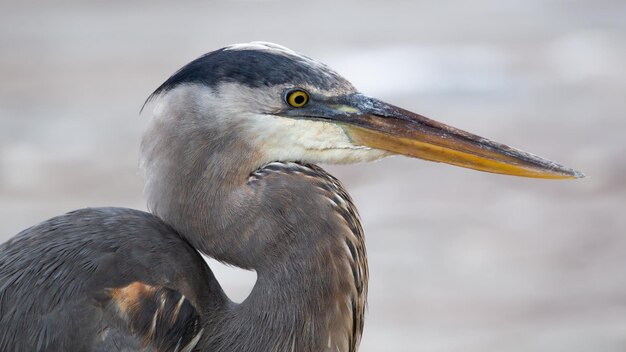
{"x": 288, "y": 107}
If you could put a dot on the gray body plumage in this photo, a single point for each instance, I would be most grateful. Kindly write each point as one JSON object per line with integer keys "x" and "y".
{"x": 55, "y": 279}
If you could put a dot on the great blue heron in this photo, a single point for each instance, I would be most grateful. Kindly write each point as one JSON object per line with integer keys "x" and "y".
{"x": 229, "y": 168}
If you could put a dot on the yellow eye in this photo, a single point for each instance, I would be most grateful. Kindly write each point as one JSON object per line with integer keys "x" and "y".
{"x": 297, "y": 98}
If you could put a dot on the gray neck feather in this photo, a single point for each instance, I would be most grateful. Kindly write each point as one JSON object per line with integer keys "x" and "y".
{"x": 291, "y": 223}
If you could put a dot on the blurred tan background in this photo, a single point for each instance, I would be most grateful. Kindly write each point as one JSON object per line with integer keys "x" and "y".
{"x": 460, "y": 260}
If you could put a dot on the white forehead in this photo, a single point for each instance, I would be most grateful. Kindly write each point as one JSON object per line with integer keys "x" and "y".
{"x": 278, "y": 50}
{"x": 262, "y": 46}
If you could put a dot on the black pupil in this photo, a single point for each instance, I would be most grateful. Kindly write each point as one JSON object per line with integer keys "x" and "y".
{"x": 298, "y": 99}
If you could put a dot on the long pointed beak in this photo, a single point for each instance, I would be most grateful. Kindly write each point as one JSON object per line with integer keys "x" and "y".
{"x": 379, "y": 125}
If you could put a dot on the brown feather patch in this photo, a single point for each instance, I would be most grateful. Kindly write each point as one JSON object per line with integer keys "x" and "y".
{"x": 160, "y": 317}
{"x": 129, "y": 297}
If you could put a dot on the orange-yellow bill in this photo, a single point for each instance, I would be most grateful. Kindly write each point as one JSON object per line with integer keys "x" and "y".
{"x": 383, "y": 126}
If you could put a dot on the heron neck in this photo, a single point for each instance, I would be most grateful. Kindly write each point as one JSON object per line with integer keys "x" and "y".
{"x": 311, "y": 263}
{"x": 294, "y": 224}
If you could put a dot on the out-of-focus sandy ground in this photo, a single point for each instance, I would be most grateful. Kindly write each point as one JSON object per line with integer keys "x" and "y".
{"x": 460, "y": 260}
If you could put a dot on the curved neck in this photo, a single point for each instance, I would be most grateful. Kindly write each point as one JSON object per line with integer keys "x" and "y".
{"x": 294, "y": 224}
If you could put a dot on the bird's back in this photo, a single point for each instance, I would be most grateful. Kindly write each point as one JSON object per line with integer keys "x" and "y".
{"x": 102, "y": 279}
